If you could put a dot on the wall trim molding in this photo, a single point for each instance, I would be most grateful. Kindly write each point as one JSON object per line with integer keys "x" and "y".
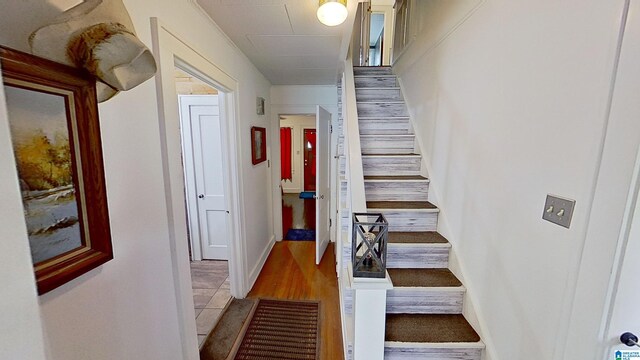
{"x": 255, "y": 272}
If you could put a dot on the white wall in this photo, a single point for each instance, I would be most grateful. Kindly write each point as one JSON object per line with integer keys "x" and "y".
{"x": 510, "y": 105}
{"x": 20, "y": 327}
{"x": 298, "y": 124}
{"x": 291, "y": 100}
{"x": 126, "y": 309}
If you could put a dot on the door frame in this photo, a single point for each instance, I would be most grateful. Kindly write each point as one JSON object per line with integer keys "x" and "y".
{"x": 304, "y": 168}
{"x": 193, "y": 212}
{"x": 171, "y": 51}
{"x": 285, "y": 110}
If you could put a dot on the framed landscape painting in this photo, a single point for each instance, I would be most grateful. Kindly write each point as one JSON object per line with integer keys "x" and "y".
{"x": 55, "y": 138}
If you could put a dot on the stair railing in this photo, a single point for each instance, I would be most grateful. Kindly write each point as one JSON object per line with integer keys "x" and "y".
{"x": 352, "y": 150}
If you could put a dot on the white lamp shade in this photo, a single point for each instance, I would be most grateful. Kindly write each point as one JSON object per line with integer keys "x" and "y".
{"x": 332, "y": 12}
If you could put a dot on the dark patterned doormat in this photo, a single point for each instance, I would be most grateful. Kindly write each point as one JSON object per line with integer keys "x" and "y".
{"x": 282, "y": 329}
{"x": 300, "y": 234}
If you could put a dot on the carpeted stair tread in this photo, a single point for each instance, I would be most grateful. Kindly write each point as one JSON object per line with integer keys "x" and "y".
{"x": 429, "y": 328}
{"x": 400, "y": 177}
{"x": 381, "y": 102}
{"x": 373, "y": 75}
{"x": 395, "y": 155}
{"x": 423, "y": 278}
{"x": 220, "y": 341}
{"x": 418, "y": 237}
{"x": 409, "y": 205}
{"x": 382, "y": 67}
{"x": 382, "y": 117}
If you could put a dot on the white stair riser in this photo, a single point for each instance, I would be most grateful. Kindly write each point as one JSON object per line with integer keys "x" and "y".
{"x": 346, "y": 252}
{"x": 396, "y": 190}
{"x": 348, "y": 301}
{"x": 424, "y": 301}
{"x": 384, "y": 126}
{"x": 382, "y": 109}
{"x": 417, "y": 256}
{"x": 385, "y": 165}
{"x": 376, "y": 81}
{"x": 438, "y": 353}
{"x": 345, "y": 218}
{"x": 391, "y": 94}
{"x": 387, "y": 144}
{"x": 408, "y": 220}
{"x": 372, "y": 70}
{"x": 343, "y": 193}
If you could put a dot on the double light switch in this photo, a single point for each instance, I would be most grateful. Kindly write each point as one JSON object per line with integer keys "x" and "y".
{"x": 558, "y": 210}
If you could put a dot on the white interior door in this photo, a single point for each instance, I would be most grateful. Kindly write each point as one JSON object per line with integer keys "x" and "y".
{"x": 323, "y": 132}
{"x": 624, "y": 310}
{"x": 204, "y": 169}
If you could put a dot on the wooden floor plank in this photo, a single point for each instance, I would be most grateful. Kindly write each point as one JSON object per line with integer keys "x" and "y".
{"x": 291, "y": 273}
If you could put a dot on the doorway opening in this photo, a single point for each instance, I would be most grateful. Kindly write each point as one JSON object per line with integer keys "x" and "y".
{"x": 312, "y": 210}
{"x": 298, "y": 164}
{"x": 206, "y": 196}
{"x": 171, "y": 51}
{"x": 373, "y": 36}
{"x": 376, "y": 39}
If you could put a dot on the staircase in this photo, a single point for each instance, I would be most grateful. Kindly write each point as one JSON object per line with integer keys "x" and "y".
{"x": 424, "y": 309}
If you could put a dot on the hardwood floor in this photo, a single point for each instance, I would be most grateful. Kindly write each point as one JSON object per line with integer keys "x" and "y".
{"x": 291, "y": 273}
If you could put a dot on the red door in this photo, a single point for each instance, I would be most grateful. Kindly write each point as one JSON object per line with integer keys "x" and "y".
{"x": 309, "y": 159}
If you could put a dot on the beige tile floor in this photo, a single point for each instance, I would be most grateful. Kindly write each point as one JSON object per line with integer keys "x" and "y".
{"x": 211, "y": 292}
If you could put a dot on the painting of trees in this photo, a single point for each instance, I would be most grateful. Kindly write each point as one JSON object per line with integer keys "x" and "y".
{"x": 44, "y": 164}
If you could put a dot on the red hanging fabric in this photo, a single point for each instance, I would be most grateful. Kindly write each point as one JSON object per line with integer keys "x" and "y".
{"x": 285, "y": 153}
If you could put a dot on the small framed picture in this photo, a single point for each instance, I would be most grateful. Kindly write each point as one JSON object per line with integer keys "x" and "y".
{"x": 258, "y": 145}
{"x": 260, "y": 106}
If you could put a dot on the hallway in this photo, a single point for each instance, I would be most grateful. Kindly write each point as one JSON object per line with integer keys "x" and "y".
{"x": 290, "y": 273}
{"x": 297, "y": 213}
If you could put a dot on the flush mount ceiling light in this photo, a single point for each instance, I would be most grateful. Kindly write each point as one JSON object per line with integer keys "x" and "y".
{"x": 332, "y": 12}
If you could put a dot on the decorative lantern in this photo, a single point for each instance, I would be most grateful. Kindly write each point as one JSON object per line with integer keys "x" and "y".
{"x": 369, "y": 245}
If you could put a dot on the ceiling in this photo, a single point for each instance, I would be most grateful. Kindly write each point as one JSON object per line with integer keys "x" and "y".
{"x": 284, "y": 38}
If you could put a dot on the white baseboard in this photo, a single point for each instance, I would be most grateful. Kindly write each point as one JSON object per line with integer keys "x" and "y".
{"x": 253, "y": 275}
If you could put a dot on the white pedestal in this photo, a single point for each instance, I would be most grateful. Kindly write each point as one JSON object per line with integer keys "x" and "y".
{"x": 369, "y": 314}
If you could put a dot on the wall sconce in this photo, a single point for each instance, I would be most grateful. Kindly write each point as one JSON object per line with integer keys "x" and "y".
{"x": 332, "y": 12}
{"x": 369, "y": 245}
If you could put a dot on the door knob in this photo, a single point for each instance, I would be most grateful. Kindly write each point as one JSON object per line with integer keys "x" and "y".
{"x": 201, "y": 196}
{"x": 629, "y": 339}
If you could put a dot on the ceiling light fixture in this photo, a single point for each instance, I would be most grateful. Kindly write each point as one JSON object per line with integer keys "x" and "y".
{"x": 332, "y": 12}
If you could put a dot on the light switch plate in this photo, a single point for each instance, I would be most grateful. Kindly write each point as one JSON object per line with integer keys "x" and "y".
{"x": 558, "y": 210}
